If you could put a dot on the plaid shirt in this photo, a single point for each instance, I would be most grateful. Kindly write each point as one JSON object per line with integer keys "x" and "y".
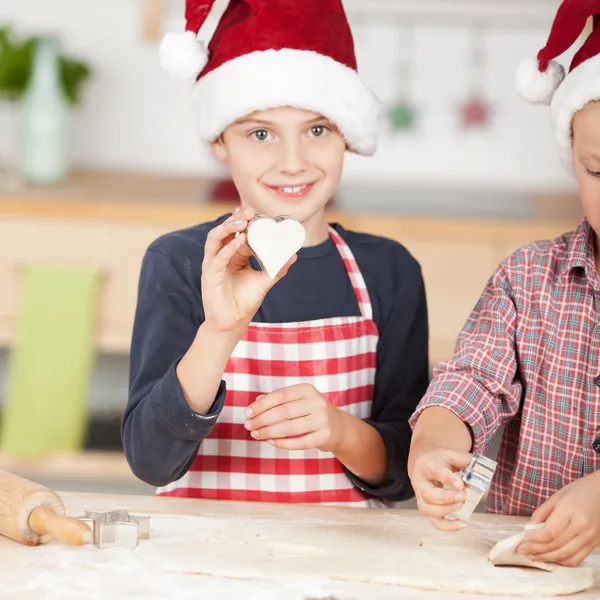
{"x": 529, "y": 358}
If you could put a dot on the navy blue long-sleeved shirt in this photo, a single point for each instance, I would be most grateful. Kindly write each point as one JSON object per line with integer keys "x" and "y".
{"x": 161, "y": 433}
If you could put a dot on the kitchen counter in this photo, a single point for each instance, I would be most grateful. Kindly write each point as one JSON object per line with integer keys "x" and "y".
{"x": 121, "y": 195}
{"x": 196, "y": 531}
{"x": 107, "y": 220}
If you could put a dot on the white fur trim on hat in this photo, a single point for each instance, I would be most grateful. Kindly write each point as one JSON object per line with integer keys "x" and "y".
{"x": 182, "y": 54}
{"x": 537, "y": 87}
{"x": 581, "y": 86}
{"x": 300, "y": 78}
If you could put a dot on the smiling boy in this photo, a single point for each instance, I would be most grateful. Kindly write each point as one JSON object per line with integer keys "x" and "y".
{"x": 297, "y": 389}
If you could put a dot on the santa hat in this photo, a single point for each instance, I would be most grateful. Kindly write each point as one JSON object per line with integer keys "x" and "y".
{"x": 272, "y": 53}
{"x": 543, "y": 81}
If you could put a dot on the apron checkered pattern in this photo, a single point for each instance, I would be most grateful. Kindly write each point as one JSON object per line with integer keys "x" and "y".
{"x": 338, "y": 357}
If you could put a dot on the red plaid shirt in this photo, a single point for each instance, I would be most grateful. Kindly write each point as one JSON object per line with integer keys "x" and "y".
{"x": 529, "y": 358}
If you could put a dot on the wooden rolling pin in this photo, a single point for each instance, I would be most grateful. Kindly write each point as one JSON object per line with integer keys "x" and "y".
{"x": 32, "y": 514}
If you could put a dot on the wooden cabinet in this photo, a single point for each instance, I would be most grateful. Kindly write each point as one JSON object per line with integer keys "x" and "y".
{"x": 114, "y": 248}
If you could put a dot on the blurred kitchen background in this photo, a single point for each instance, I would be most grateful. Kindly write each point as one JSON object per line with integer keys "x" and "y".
{"x": 99, "y": 156}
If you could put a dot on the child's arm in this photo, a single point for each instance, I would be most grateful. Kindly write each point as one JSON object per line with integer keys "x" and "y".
{"x": 232, "y": 292}
{"x": 440, "y": 446}
{"x": 374, "y": 451}
{"x": 177, "y": 364}
{"x": 161, "y": 434}
{"x": 400, "y": 382}
{"x": 469, "y": 398}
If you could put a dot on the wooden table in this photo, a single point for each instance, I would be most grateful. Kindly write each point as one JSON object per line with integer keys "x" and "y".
{"x": 56, "y": 572}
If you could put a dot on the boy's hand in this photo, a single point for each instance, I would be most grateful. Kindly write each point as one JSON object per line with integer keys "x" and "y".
{"x": 232, "y": 291}
{"x": 297, "y": 417}
{"x": 431, "y": 469}
{"x": 572, "y": 524}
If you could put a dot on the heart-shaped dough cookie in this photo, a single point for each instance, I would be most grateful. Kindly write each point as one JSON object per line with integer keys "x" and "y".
{"x": 275, "y": 241}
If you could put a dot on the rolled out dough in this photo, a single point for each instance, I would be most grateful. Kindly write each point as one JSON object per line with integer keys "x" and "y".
{"x": 406, "y": 552}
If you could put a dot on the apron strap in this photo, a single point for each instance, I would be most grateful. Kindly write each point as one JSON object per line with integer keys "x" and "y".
{"x": 356, "y": 279}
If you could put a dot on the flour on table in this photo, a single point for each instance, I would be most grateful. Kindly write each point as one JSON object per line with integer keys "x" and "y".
{"x": 188, "y": 555}
{"x": 286, "y": 551}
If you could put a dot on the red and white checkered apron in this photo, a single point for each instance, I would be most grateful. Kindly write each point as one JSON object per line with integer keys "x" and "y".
{"x": 338, "y": 357}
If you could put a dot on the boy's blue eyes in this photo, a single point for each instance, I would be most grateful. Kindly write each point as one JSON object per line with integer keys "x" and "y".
{"x": 262, "y": 134}
{"x": 318, "y": 130}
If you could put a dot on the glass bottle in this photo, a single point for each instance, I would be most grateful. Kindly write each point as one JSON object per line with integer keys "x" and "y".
{"x": 43, "y": 159}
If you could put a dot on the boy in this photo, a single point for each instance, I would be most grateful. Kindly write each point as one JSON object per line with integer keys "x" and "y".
{"x": 529, "y": 355}
{"x": 299, "y": 389}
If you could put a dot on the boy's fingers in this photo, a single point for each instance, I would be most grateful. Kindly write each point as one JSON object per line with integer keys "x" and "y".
{"x": 457, "y": 460}
{"x": 304, "y": 442}
{"x": 556, "y": 525}
{"x": 221, "y": 260}
{"x": 440, "y": 496}
{"x": 436, "y": 511}
{"x": 565, "y": 552}
{"x": 447, "y": 524}
{"x": 247, "y": 213}
{"x": 441, "y": 473}
{"x": 218, "y": 237}
{"x": 578, "y": 558}
{"x": 555, "y": 534}
{"x": 269, "y": 401}
{"x": 277, "y": 414}
{"x": 242, "y": 254}
{"x": 544, "y": 511}
{"x": 285, "y": 429}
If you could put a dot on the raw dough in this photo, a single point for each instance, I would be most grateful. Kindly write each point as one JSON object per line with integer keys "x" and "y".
{"x": 472, "y": 544}
{"x": 504, "y": 553}
{"x": 275, "y": 241}
{"x": 302, "y": 551}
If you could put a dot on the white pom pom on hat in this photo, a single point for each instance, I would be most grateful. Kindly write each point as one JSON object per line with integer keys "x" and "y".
{"x": 542, "y": 80}
{"x": 536, "y": 86}
{"x": 183, "y": 55}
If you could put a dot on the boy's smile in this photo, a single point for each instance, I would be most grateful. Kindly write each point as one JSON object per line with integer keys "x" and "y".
{"x": 285, "y": 161}
{"x": 293, "y": 191}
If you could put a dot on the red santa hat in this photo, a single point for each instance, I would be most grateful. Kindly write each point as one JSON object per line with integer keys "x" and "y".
{"x": 543, "y": 80}
{"x": 272, "y": 53}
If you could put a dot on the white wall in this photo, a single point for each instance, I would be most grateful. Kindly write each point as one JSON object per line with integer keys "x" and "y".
{"x": 136, "y": 117}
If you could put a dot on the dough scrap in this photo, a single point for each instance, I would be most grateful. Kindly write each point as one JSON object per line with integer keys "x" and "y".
{"x": 504, "y": 553}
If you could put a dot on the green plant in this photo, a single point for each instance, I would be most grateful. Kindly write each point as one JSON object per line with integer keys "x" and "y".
{"x": 16, "y": 65}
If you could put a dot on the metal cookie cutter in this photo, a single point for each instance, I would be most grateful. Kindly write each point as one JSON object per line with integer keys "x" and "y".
{"x": 117, "y": 528}
{"x": 477, "y": 477}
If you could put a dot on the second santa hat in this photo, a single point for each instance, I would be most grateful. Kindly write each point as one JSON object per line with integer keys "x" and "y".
{"x": 272, "y": 53}
{"x": 543, "y": 80}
